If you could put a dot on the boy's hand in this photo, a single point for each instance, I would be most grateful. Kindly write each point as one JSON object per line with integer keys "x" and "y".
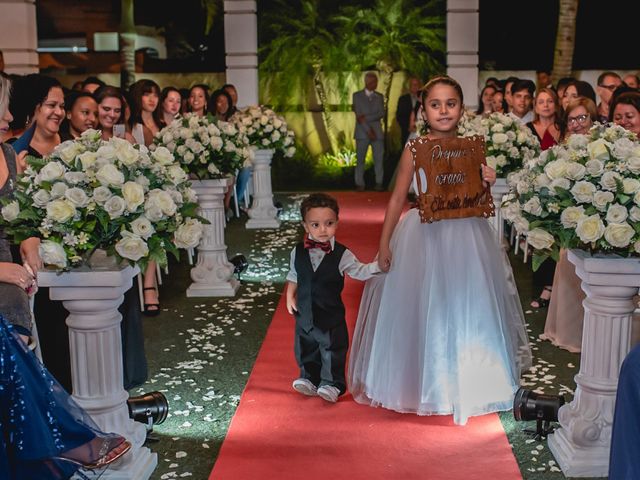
{"x": 292, "y": 303}
{"x": 292, "y": 306}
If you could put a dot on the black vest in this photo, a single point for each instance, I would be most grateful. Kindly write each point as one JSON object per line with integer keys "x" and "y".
{"x": 319, "y": 293}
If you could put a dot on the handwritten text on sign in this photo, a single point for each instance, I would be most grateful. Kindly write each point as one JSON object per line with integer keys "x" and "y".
{"x": 449, "y": 178}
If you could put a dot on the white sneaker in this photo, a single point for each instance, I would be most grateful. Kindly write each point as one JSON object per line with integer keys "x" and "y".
{"x": 328, "y": 393}
{"x": 305, "y": 387}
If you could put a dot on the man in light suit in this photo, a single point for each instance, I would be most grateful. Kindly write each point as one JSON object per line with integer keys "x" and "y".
{"x": 368, "y": 105}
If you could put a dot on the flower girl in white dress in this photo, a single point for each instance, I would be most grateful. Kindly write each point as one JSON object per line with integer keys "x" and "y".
{"x": 443, "y": 331}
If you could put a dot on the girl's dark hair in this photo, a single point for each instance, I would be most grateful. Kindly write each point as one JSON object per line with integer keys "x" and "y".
{"x": 441, "y": 80}
{"x": 480, "y": 109}
{"x": 205, "y": 89}
{"x": 137, "y": 91}
{"x": 318, "y": 200}
{"x": 214, "y": 98}
{"x": 627, "y": 98}
{"x": 108, "y": 91}
{"x": 584, "y": 89}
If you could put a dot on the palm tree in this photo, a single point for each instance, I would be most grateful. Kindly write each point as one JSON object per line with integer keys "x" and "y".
{"x": 395, "y": 35}
{"x": 565, "y": 40}
{"x": 302, "y": 48}
{"x": 127, "y": 44}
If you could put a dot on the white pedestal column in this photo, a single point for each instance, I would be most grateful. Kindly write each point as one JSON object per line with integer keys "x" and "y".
{"x": 213, "y": 274}
{"x": 262, "y": 214}
{"x": 581, "y": 446}
{"x": 19, "y": 36}
{"x": 241, "y": 48}
{"x": 498, "y": 190}
{"x": 463, "y": 27}
{"x": 92, "y": 298}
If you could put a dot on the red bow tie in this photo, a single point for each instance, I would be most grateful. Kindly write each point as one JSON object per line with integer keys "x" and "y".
{"x": 324, "y": 246}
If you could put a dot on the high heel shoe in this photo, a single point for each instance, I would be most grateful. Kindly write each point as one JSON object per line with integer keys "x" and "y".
{"x": 113, "y": 448}
{"x": 542, "y": 302}
{"x": 151, "y": 312}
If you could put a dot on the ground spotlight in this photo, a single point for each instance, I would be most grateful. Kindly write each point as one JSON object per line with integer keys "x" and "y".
{"x": 240, "y": 264}
{"x": 151, "y": 409}
{"x": 528, "y": 405}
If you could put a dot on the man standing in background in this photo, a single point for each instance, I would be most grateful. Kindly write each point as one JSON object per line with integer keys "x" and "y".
{"x": 368, "y": 106}
{"x": 406, "y": 104}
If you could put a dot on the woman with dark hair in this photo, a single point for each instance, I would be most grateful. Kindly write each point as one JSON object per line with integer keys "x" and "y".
{"x": 171, "y": 103}
{"x": 220, "y": 105}
{"x": 499, "y": 104}
{"x": 625, "y": 111}
{"x": 198, "y": 99}
{"x": 575, "y": 89}
{"x": 82, "y": 114}
{"x": 111, "y": 113}
{"x": 485, "y": 103}
{"x": 145, "y": 114}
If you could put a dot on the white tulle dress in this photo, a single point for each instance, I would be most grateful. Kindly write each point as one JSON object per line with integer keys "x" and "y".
{"x": 443, "y": 331}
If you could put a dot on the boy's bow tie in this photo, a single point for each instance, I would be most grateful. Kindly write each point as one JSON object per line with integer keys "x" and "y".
{"x": 324, "y": 246}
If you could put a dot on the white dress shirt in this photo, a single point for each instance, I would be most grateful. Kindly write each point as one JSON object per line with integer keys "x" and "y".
{"x": 349, "y": 264}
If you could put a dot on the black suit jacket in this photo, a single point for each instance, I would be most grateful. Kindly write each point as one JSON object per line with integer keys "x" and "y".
{"x": 403, "y": 114}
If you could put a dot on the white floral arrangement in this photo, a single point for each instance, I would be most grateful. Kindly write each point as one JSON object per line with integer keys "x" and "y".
{"x": 90, "y": 194}
{"x": 266, "y": 130}
{"x": 205, "y": 147}
{"x": 508, "y": 143}
{"x": 584, "y": 194}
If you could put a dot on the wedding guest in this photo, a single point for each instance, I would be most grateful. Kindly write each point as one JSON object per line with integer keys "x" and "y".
{"x": 562, "y": 84}
{"x": 171, "y": 102}
{"x": 368, "y": 106}
{"x": 184, "y": 94}
{"x": 111, "y": 113}
{"x": 406, "y": 105}
{"x": 493, "y": 81}
{"x": 631, "y": 80}
{"x": 607, "y": 83}
{"x": 508, "y": 83}
{"x": 576, "y": 89}
{"x": 146, "y": 118}
{"x": 91, "y": 84}
{"x": 220, "y": 105}
{"x": 499, "y": 104}
{"x": 625, "y": 111}
{"x": 21, "y": 105}
{"x": 82, "y": 114}
{"x": 545, "y": 124}
{"x": 198, "y": 99}
{"x": 543, "y": 79}
{"x": 521, "y": 99}
{"x": 233, "y": 93}
{"x": 485, "y": 102}
{"x": 563, "y": 326}
{"x": 77, "y": 86}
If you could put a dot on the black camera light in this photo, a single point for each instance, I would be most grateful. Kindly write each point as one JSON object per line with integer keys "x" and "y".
{"x": 528, "y": 405}
{"x": 150, "y": 408}
{"x": 240, "y": 264}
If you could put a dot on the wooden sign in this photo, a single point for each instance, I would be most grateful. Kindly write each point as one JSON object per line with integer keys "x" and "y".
{"x": 448, "y": 176}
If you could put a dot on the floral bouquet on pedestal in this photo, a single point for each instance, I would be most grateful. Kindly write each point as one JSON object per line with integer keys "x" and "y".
{"x": 585, "y": 194}
{"x": 205, "y": 147}
{"x": 508, "y": 143}
{"x": 90, "y": 194}
{"x": 266, "y": 130}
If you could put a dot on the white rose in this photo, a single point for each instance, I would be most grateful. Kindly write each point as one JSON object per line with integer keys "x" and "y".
{"x": 617, "y": 213}
{"x": 590, "y": 229}
{"x": 575, "y": 170}
{"x": 213, "y": 170}
{"x": 11, "y": 211}
{"x": 533, "y": 206}
{"x": 114, "y": 206}
{"x": 105, "y": 154}
{"x": 152, "y": 211}
{"x": 623, "y": 148}
{"x": 58, "y": 189}
{"x": 501, "y": 160}
{"x": 619, "y": 234}
{"x": 630, "y": 185}
{"x": 101, "y": 195}
{"x": 499, "y": 138}
{"x": 583, "y": 192}
{"x": 52, "y": 253}
{"x": 51, "y": 171}
{"x": 165, "y": 202}
{"x": 634, "y": 214}
{"x": 523, "y": 187}
{"x": 556, "y": 169}
{"x": 176, "y": 174}
{"x": 561, "y": 183}
{"x": 133, "y": 194}
{"x": 163, "y": 156}
{"x": 144, "y": 181}
{"x": 166, "y": 138}
{"x": 142, "y": 227}
{"x": 521, "y": 224}
{"x": 608, "y": 180}
{"x": 190, "y": 195}
{"x": 492, "y": 162}
{"x": 602, "y": 199}
{"x": 88, "y": 159}
{"x": 498, "y": 127}
{"x": 540, "y": 239}
{"x": 598, "y": 150}
{"x": 633, "y": 164}
{"x": 41, "y": 198}
{"x": 188, "y": 234}
{"x": 77, "y": 196}
{"x": 541, "y": 180}
{"x": 75, "y": 178}
{"x": 110, "y": 175}
{"x": 125, "y": 152}
{"x": 69, "y": 150}
{"x": 578, "y": 142}
{"x": 188, "y": 157}
{"x": 290, "y": 152}
{"x": 60, "y": 210}
{"x": 570, "y": 216}
{"x": 132, "y": 247}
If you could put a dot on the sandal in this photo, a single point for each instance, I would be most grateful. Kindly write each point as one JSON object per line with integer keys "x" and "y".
{"x": 112, "y": 448}
{"x": 151, "y": 312}
{"x": 541, "y": 302}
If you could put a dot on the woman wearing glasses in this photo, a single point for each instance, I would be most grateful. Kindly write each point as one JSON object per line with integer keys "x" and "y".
{"x": 564, "y": 318}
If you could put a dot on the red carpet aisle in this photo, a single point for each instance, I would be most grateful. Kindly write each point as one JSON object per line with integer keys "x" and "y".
{"x": 279, "y": 434}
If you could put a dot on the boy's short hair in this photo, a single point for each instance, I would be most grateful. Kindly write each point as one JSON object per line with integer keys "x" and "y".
{"x": 318, "y": 200}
